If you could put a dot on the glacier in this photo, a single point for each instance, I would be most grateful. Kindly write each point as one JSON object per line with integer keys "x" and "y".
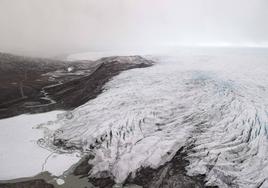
{"x": 214, "y": 105}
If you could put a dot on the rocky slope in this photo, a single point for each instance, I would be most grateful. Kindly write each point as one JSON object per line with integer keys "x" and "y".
{"x": 31, "y": 85}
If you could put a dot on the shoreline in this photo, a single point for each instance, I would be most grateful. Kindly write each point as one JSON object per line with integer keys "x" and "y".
{"x": 170, "y": 174}
{"x": 68, "y": 96}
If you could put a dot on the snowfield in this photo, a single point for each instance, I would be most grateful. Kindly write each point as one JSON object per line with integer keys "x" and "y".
{"x": 214, "y": 105}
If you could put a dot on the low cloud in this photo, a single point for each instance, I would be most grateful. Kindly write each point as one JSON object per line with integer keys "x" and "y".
{"x": 55, "y": 27}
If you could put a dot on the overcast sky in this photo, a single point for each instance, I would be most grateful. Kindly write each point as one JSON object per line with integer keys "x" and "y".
{"x": 53, "y": 27}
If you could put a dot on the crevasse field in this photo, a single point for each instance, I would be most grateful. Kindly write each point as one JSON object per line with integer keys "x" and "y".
{"x": 216, "y": 103}
{"x": 213, "y": 104}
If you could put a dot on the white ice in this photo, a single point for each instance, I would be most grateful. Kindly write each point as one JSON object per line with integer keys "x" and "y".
{"x": 21, "y": 156}
{"x": 215, "y": 101}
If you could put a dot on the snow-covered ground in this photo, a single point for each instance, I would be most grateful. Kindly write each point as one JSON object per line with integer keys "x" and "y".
{"x": 21, "y": 156}
{"x": 215, "y": 101}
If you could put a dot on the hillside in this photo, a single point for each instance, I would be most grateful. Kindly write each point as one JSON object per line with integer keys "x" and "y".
{"x": 33, "y": 85}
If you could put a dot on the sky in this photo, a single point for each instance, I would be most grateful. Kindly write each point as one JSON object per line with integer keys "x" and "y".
{"x": 58, "y": 27}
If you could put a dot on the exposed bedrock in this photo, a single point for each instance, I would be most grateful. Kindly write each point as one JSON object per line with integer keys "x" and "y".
{"x": 31, "y": 85}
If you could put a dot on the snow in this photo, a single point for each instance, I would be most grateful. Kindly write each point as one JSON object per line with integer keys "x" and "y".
{"x": 60, "y": 181}
{"x": 216, "y": 102}
{"x": 58, "y": 163}
{"x": 20, "y": 155}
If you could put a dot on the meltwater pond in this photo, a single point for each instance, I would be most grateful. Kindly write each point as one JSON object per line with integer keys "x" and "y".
{"x": 217, "y": 104}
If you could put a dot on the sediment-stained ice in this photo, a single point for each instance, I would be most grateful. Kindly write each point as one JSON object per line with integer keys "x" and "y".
{"x": 213, "y": 105}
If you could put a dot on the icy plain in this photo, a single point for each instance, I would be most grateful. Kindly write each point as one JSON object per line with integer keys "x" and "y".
{"x": 21, "y": 156}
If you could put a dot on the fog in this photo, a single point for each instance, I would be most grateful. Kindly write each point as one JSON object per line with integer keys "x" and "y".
{"x": 58, "y": 27}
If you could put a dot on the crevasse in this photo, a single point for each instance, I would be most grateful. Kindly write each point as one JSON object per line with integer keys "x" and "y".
{"x": 215, "y": 106}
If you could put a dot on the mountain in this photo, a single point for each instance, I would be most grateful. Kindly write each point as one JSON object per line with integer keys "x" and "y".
{"x": 38, "y": 85}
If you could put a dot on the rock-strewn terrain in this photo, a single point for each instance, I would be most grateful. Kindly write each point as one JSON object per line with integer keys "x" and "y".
{"x": 31, "y": 85}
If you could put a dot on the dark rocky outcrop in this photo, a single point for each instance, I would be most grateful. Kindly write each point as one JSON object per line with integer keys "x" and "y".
{"x": 25, "y": 80}
{"x": 170, "y": 175}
